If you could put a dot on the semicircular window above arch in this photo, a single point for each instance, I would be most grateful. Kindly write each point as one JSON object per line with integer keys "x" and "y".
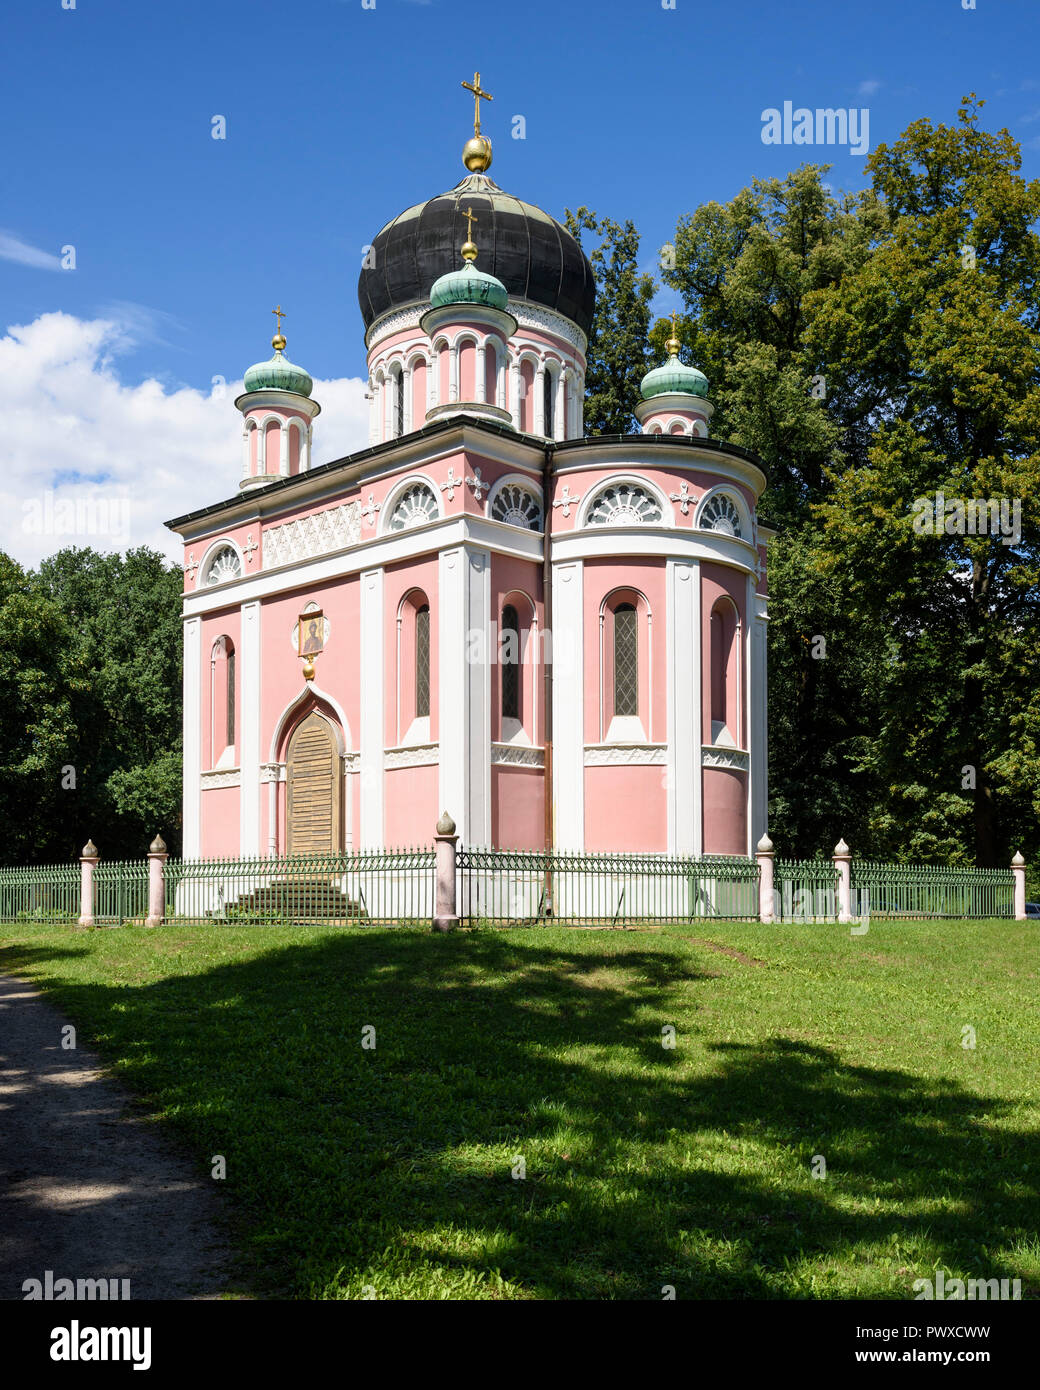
{"x": 225, "y": 564}
{"x": 516, "y": 506}
{"x": 415, "y": 507}
{"x": 721, "y": 514}
{"x": 624, "y": 504}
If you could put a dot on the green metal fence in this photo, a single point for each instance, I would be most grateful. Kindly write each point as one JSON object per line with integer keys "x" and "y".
{"x": 364, "y": 887}
{"x": 530, "y": 886}
{"x": 932, "y": 890}
{"x": 44, "y": 892}
{"x": 120, "y": 892}
{"x": 804, "y": 888}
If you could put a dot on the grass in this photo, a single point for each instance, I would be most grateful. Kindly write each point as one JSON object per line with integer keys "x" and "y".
{"x": 389, "y": 1171}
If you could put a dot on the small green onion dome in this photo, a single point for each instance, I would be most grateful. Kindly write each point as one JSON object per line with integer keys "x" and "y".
{"x": 674, "y": 378}
{"x": 279, "y": 374}
{"x": 468, "y": 285}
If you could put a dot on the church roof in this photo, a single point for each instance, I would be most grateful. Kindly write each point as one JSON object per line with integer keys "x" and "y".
{"x": 533, "y": 256}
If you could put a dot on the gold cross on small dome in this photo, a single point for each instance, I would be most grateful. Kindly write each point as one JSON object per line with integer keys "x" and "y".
{"x": 478, "y": 92}
{"x": 278, "y": 341}
{"x": 673, "y": 344}
{"x": 469, "y": 249}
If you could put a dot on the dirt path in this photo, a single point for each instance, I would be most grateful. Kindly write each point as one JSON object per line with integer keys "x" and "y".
{"x": 89, "y": 1190}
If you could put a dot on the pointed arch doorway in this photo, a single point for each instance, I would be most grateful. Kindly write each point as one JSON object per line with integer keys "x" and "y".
{"x": 312, "y": 807}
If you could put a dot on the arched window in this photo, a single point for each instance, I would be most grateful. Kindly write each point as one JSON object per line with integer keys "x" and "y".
{"x": 415, "y": 507}
{"x": 230, "y": 711}
{"x": 724, "y": 673}
{"x": 720, "y": 514}
{"x": 517, "y": 506}
{"x": 224, "y": 564}
{"x": 422, "y": 662}
{"x": 623, "y": 504}
{"x": 397, "y": 378}
{"x": 510, "y": 659}
{"x": 549, "y": 400}
{"x": 626, "y": 661}
{"x": 222, "y": 703}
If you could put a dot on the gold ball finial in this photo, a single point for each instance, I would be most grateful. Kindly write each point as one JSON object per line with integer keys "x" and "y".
{"x": 469, "y": 246}
{"x": 673, "y": 344}
{"x": 476, "y": 154}
{"x": 278, "y": 342}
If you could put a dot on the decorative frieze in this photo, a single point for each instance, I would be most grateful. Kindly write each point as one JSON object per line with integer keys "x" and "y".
{"x": 351, "y": 762}
{"x": 335, "y": 528}
{"x": 272, "y": 772}
{"x": 511, "y": 755}
{"x": 626, "y": 754}
{"x": 422, "y": 755}
{"x": 714, "y": 756}
{"x": 231, "y": 778}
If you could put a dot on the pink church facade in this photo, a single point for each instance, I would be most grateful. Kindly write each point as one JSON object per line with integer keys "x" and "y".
{"x": 559, "y": 639}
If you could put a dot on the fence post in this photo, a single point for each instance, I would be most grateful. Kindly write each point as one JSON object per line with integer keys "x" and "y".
{"x": 843, "y": 864}
{"x": 156, "y": 891}
{"x": 444, "y": 914}
{"x": 1018, "y": 868}
{"x": 87, "y": 864}
{"x": 764, "y": 855}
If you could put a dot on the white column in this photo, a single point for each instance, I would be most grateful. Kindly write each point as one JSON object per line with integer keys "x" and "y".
{"x": 464, "y": 693}
{"x": 696, "y": 710}
{"x": 245, "y": 452}
{"x": 684, "y": 743}
{"x": 310, "y": 438}
{"x": 261, "y": 449}
{"x": 372, "y": 740}
{"x": 248, "y": 734}
{"x": 481, "y": 381}
{"x": 514, "y": 393}
{"x": 406, "y": 386}
{"x": 540, "y": 424}
{"x": 560, "y": 421}
{"x": 192, "y": 779}
{"x": 759, "y": 725}
{"x": 433, "y": 377}
{"x": 373, "y": 412}
{"x": 568, "y": 637}
{"x": 500, "y": 377}
{"x": 283, "y": 448}
{"x": 453, "y": 373}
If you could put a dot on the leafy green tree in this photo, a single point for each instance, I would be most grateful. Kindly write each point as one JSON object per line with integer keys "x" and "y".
{"x": 619, "y": 353}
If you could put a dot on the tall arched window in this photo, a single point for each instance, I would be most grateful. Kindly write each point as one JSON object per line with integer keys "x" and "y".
{"x": 510, "y": 659}
{"x": 398, "y": 380}
{"x": 549, "y": 400}
{"x": 724, "y": 673}
{"x": 626, "y": 661}
{"x": 222, "y": 703}
{"x": 230, "y": 712}
{"x": 422, "y": 662}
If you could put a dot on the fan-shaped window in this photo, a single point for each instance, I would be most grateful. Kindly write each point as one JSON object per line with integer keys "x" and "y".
{"x": 624, "y": 504}
{"x": 225, "y": 564}
{"x": 422, "y": 662}
{"x": 415, "y": 508}
{"x": 517, "y": 507}
{"x": 721, "y": 514}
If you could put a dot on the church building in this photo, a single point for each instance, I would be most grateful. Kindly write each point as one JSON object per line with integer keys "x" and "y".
{"x": 558, "y": 639}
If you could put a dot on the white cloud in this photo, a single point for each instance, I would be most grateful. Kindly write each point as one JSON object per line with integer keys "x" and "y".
{"x": 13, "y": 248}
{"x": 868, "y": 87}
{"x": 92, "y": 460}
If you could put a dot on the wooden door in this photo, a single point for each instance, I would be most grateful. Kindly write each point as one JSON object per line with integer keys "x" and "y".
{"x": 312, "y": 789}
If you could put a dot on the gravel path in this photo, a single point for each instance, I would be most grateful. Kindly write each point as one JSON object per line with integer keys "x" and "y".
{"x": 88, "y": 1189}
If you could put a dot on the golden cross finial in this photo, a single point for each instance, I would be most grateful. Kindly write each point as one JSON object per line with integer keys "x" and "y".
{"x": 478, "y": 92}
{"x": 470, "y": 219}
{"x": 280, "y": 314}
{"x": 673, "y": 344}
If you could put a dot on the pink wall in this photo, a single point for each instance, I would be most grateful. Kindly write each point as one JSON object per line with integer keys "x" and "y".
{"x": 418, "y": 394}
{"x": 647, "y": 577}
{"x": 527, "y": 397}
{"x": 718, "y": 581}
{"x": 410, "y": 806}
{"x": 401, "y": 580}
{"x": 517, "y": 807}
{"x": 625, "y": 808}
{"x": 467, "y": 370}
{"x": 220, "y": 837}
{"x": 725, "y": 814}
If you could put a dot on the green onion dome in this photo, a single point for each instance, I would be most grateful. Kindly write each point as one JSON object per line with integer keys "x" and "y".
{"x": 674, "y": 378}
{"x": 468, "y": 285}
{"x": 279, "y": 374}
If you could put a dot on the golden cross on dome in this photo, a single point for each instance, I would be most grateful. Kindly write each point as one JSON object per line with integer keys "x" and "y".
{"x": 280, "y": 314}
{"x": 478, "y": 92}
{"x": 673, "y": 344}
{"x": 470, "y": 219}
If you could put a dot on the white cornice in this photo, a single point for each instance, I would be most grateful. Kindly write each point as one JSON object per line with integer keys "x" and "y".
{"x": 282, "y": 400}
{"x": 656, "y": 542}
{"x": 526, "y": 313}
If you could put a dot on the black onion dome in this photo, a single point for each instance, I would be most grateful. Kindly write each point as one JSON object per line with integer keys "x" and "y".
{"x": 534, "y": 257}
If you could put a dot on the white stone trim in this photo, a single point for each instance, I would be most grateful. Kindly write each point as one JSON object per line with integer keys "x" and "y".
{"x": 192, "y": 781}
{"x": 714, "y": 755}
{"x": 758, "y": 791}
{"x": 683, "y": 701}
{"x": 332, "y": 528}
{"x": 249, "y": 690}
{"x": 416, "y": 755}
{"x": 526, "y": 313}
{"x": 657, "y": 541}
{"x": 626, "y": 754}
{"x": 231, "y": 778}
{"x": 513, "y": 755}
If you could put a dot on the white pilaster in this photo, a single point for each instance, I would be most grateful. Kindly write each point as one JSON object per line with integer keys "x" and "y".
{"x": 559, "y": 430}
{"x": 407, "y": 387}
{"x": 540, "y": 424}
{"x": 684, "y": 743}
{"x": 248, "y": 697}
{"x": 514, "y": 393}
{"x": 372, "y": 740}
{"x": 192, "y": 782}
{"x": 569, "y": 706}
{"x": 245, "y": 452}
{"x": 453, "y": 373}
{"x": 283, "y": 449}
{"x": 464, "y": 696}
{"x": 481, "y": 381}
{"x": 758, "y": 794}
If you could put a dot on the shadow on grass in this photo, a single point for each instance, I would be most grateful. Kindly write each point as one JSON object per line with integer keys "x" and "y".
{"x": 644, "y": 1166}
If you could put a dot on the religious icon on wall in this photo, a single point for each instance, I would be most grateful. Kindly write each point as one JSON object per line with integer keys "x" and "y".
{"x": 312, "y": 632}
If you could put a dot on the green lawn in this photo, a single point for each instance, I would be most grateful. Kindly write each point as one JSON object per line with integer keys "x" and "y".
{"x": 352, "y": 1170}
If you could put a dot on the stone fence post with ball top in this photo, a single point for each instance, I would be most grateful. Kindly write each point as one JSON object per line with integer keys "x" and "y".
{"x": 1018, "y": 868}
{"x": 157, "y": 857}
{"x": 87, "y": 864}
{"x": 843, "y": 864}
{"x": 764, "y": 855}
{"x": 445, "y": 917}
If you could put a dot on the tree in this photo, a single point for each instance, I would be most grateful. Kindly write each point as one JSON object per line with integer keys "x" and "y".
{"x": 618, "y": 351}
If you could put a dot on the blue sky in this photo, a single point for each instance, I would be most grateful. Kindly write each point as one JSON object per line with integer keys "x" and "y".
{"x": 340, "y": 116}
